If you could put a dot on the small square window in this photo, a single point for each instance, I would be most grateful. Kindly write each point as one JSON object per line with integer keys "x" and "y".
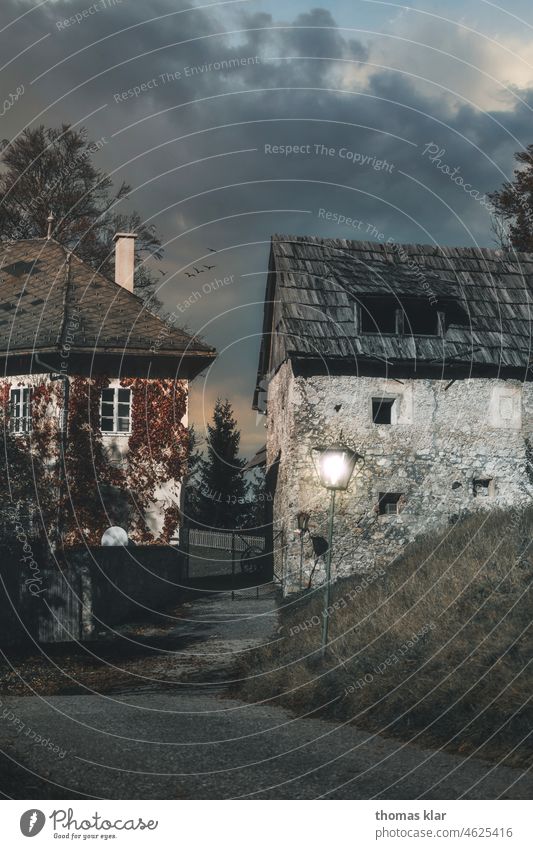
{"x": 483, "y": 487}
{"x": 384, "y": 410}
{"x": 389, "y": 503}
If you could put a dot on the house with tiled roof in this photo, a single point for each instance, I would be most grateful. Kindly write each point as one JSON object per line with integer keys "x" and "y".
{"x": 98, "y": 384}
{"x": 417, "y": 357}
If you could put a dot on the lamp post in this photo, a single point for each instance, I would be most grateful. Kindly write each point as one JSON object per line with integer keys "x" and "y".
{"x": 334, "y": 465}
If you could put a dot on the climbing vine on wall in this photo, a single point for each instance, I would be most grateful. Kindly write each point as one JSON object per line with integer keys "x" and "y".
{"x": 43, "y": 446}
{"x": 157, "y": 448}
{"x": 99, "y": 483}
{"x": 78, "y": 483}
{"x": 87, "y": 471}
{"x": 26, "y": 480}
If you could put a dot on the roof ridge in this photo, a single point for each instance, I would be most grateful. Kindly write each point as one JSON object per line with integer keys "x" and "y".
{"x": 485, "y": 294}
{"x": 479, "y": 251}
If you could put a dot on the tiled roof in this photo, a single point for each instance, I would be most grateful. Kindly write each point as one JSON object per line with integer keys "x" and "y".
{"x": 46, "y": 299}
{"x": 315, "y": 283}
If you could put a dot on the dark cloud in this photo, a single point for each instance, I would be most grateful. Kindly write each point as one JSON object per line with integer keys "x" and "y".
{"x": 184, "y": 131}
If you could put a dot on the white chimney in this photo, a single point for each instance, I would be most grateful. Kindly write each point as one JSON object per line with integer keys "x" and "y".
{"x": 124, "y": 259}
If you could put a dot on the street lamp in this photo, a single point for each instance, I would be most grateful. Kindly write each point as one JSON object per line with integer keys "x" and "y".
{"x": 334, "y": 465}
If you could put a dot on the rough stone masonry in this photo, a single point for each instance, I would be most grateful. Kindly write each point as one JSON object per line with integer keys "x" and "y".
{"x": 417, "y": 357}
{"x": 450, "y": 448}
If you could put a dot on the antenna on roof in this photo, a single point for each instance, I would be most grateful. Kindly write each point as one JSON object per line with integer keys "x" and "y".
{"x": 51, "y": 218}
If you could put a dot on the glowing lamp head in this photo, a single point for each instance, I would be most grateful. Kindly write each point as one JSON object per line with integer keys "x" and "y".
{"x": 334, "y": 465}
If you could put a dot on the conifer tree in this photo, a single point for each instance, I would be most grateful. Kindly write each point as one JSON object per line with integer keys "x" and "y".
{"x": 222, "y": 497}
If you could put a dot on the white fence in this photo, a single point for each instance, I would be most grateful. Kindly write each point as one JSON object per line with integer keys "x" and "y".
{"x": 224, "y": 541}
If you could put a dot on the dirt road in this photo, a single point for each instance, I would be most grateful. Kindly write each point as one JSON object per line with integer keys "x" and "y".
{"x": 169, "y": 730}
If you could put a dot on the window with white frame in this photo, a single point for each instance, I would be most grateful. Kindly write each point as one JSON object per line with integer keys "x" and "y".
{"x": 115, "y": 410}
{"x": 20, "y": 410}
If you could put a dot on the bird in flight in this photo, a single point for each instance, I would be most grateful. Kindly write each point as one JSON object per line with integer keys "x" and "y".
{"x": 209, "y": 267}
{"x": 198, "y": 270}
{"x": 190, "y": 275}
{"x": 213, "y": 251}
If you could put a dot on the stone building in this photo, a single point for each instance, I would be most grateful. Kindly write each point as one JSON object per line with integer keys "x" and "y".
{"x": 83, "y": 359}
{"x": 415, "y": 356}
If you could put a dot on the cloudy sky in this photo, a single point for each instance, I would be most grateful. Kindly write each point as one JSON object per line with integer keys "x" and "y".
{"x": 193, "y": 101}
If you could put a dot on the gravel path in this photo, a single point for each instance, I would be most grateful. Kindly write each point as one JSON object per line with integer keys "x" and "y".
{"x": 191, "y": 741}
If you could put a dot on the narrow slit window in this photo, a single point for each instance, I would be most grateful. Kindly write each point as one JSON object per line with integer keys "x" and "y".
{"x": 20, "y": 409}
{"x": 389, "y": 503}
{"x": 483, "y": 487}
{"x": 115, "y": 410}
{"x": 384, "y": 410}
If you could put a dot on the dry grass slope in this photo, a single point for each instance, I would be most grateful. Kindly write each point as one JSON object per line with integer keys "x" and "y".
{"x": 436, "y": 649}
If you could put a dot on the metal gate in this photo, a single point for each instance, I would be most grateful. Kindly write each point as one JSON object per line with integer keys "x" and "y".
{"x": 227, "y": 561}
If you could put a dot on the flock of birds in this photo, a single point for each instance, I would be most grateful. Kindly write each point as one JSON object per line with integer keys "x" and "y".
{"x": 201, "y": 270}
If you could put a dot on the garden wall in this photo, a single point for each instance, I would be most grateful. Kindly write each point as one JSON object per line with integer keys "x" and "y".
{"x": 87, "y": 591}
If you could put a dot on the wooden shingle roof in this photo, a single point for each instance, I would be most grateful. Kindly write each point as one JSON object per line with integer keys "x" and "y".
{"x": 49, "y": 298}
{"x": 314, "y": 285}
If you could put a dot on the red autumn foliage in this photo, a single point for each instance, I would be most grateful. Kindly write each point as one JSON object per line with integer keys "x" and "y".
{"x": 73, "y": 496}
{"x": 157, "y": 447}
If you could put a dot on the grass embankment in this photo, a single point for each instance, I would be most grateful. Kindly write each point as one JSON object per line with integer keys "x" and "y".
{"x": 437, "y": 649}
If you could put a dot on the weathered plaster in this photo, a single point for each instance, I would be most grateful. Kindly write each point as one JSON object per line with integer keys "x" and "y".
{"x": 444, "y": 437}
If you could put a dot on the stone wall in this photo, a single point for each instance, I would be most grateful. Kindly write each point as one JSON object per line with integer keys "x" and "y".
{"x": 98, "y": 588}
{"x": 444, "y": 436}
{"x": 85, "y": 591}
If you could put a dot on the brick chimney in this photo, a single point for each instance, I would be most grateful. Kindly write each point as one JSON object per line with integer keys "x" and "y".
{"x": 124, "y": 259}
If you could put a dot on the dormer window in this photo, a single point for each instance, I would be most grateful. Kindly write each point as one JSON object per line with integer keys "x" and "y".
{"x": 421, "y": 318}
{"x": 378, "y": 315}
{"x": 405, "y": 317}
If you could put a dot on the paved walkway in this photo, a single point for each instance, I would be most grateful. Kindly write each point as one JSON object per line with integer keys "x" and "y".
{"x": 193, "y": 742}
